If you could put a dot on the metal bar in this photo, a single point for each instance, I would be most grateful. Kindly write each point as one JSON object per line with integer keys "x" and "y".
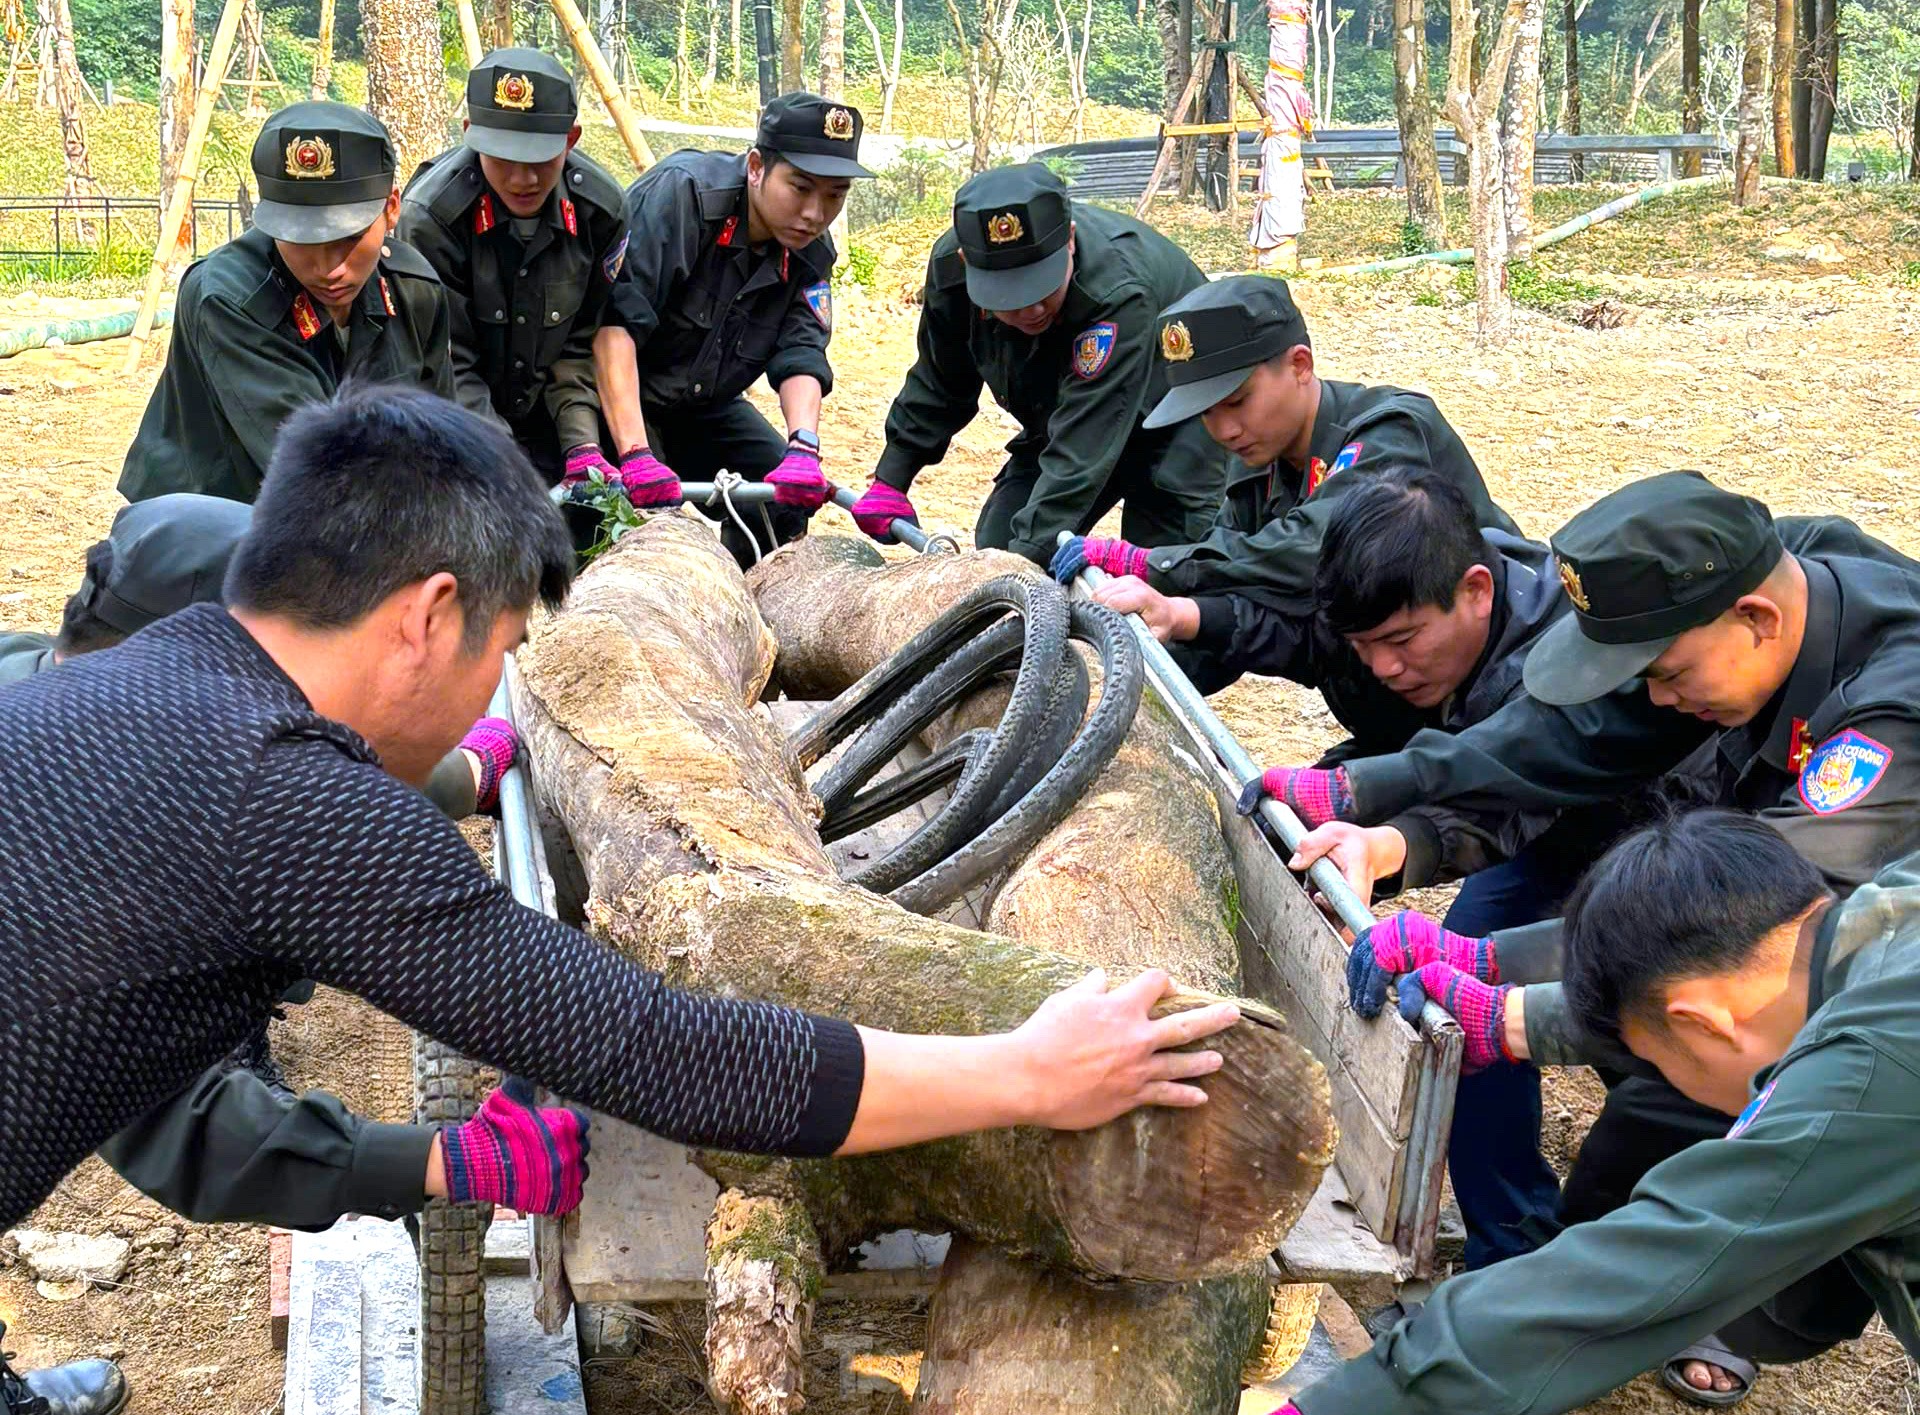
{"x": 1180, "y": 695}
{"x": 903, "y": 531}
{"x": 700, "y": 493}
{"x": 514, "y": 859}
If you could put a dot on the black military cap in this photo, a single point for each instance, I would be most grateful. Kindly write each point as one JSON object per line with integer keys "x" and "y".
{"x": 817, "y": 135}
{"x": 324, "y": 170}
{"x": 521, "y": 106}
{"x": 1213, "y": 337}
{"x": 1643, "y": 565}
{"x": 161, "y": 556}
{"x": 1013, "y": 224}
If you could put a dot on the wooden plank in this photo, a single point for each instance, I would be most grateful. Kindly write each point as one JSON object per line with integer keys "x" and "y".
{"x": 1200, "y": 130}
{"x": 1331, "y": 1244}
{"x": 642, "y": 1221}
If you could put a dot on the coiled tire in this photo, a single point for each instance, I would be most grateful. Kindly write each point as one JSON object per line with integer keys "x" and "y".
{"x": 452, "y": 1239}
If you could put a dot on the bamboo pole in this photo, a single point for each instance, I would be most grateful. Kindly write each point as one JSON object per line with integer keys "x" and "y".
{"x": 180, "y": 201}
{"x": 323, "y": 53}
{"x": 469, "y": 32}
{"x": 617, "y": 106}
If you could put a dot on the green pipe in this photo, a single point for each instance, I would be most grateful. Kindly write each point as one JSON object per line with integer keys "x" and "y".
{"x": 1547, "y": 238}
{"x": 74, "y": 331}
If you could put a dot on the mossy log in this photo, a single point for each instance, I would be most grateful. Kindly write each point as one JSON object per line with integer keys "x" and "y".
{"x": 695, "y": 836}
{"x": 764, "y": 1270}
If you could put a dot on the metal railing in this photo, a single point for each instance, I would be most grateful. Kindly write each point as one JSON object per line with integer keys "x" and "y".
{"x": 56, "y": 228}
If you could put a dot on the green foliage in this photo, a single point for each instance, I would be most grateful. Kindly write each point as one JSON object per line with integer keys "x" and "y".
{"x": 117, "y": 262}
{"x": 1909, "y": 273}
{"x": 1428, "y": 299}
{"x": 1413, "y": 240}
{"x": 617, "y": 515}
{"x": 921, "y": 183}
{"x": 863, "y": 265}
{"x": 1535, "y": 286}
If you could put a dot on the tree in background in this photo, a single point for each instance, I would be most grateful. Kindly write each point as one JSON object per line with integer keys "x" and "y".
{"x": 833, "y": 48}
{"x": 323, "y": 53}
{"x": 1750, "y": 144}
{"x": 1523, "y": 122}
{"x": 1690, "y": 81}
{"x": 179, "y": 47}
{"x": 1473, "y": 104}
{"x": 793, "y": 45}
{"x": 1786, "y": 164}
{"x": 1074, "y": 50}
{"x": 984, "y": 52}
{"x": 1570, "y": 81}
{"x": 886, "y": 73}
{"x": 496, "y": 24}
{"x": 406, "y": 78}
{"x": 1413, "y": 108}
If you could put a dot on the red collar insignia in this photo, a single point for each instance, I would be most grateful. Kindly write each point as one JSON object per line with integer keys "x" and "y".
{"x": 786, "y": 260}
{"x": 305, "y": 319}
{"x": 566, "y": 215}
{"x": 1800, "y": 747}
{"x": 386, "y": 296}
{"x": 483, "y": 219}
{"x": 727, "y": 230}
{"x": 1316, "y": 473}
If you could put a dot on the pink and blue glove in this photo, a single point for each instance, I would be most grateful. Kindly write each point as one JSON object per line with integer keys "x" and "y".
{"x": 526, "y": 1157}
{"x": 877, "y": 510}
{"x": 1316, "y": 796}
{"x": 797, "y": 481}
{"x": 496, "y": 746}
{"x": 649, "y": 482}
{"x": 582, "y": 462}
{"x": 1403, "y": 943}
{"x": 1479, "y": 1008}
{"x": 1116, "y": 557}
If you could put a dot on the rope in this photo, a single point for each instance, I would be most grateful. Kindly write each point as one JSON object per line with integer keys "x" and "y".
{"x": 723, "y": 484}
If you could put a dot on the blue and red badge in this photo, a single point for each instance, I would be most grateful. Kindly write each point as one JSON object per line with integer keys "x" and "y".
{"x": 1348, "y": 456}
{"x": 1093, "y": 348}
{"x": 1841, "y": 771}
{"x": 611, "y": 265}
{"x": 820, "y": 300}
{"x": 1752, "y": 1112}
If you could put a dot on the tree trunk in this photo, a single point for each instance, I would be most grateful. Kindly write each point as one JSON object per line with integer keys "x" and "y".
{"x": 179, "y": 89}
{"x": 1413, "y": 107}
{"x": 764, "y": 1269}
{"x": 1690, "y": 110}
{"x": 793, "y": 45}
{"x": 1751, "y": 142}
{"x": 1913, "y": 163}
{"x": 406, "y": 78}
{"x": 1136, "y": 876}
{"x": 322, "y": 54}
{"x": 1474, "y": 106}
{"x": 70, "y": 92}
{"x": 496, "y": 24}
{"x": 1785, "y": 162}
{"x": 1826, "y": 86}
{"x": 1800, "y": 99}
{"x": 1576, "y": 164}
{"x": 1523, "y": 122}
{"x": 696, "y": 838}
{"x": 1176, "y": 53}
{"x": 733, "y": 42}
{"x": 833, "y": 48}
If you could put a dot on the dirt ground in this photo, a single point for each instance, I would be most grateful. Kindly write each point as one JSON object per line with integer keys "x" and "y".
{"x": 1794, "y": 386}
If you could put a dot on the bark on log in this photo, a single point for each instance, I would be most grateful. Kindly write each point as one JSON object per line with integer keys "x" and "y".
{"x": 695, "y": 838}
{"x": 764, "y": 1271}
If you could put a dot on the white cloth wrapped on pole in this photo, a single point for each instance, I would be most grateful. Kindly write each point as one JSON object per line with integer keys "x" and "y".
{"x": 1279, "y": 209}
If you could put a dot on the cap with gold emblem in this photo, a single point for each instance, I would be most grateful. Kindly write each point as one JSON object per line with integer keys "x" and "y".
{"x": 1013, "y": 224}
{"x": 521, "y": 105}
{"x": 1641, "y": 566}
{"x": 324, "y": 172}
{"x": 818, "y": 135}
{"x": 1213, "y": 337}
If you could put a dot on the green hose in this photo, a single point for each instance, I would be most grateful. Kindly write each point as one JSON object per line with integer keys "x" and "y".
{"x": 74, "y": 331}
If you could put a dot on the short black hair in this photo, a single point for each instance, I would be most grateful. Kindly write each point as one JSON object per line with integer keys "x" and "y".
{"x": 1401, "y": 539}
{"x": 81, "y": 629}
{"x": 771, "y": 158}
{"x": 1688, "y": 896}
{"x": 383, "y": 486}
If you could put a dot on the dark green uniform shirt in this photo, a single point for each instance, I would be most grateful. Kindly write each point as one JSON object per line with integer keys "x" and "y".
{"x": 1268, "y": 534}
{"x": 250, "y": 345}
{"x": 23, "y": 655}
{"x": 522, "y": 314}
{"x": 1078, "y": 391}
{"x": 1819, "y": 1166}
{"x": 708, "y": 312}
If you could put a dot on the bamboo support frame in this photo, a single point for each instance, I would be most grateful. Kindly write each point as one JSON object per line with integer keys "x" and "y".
{"x": 618, "y": 108}
{"x": 180, "y": 200}
{"x": 469, "y": 32}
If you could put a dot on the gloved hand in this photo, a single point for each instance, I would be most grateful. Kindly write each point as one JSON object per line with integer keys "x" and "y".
{"x": 529, "y": 1158}
{"x": 1288, "y": 1409}
{"x": 649, "y": 482}
{"x": 1402, "y": 943}
{"x": 880, "y": 506}
{"x": 1316, "y": 796}
{"x": 582, "y": 462}
{"x": 797, "y": 481}
{"x": 1480, "y": 1010}
{"x": 1116, "y": 557}
{"x": 496, "y": 746}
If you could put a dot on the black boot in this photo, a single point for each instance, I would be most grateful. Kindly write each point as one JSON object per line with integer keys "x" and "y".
{"x": 77, "y": 1388}
{"x": 255, "y": 1054}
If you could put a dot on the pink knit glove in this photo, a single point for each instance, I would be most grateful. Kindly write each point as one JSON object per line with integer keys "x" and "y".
{"x": 495, "y": 744}
{"x": 649, "y": 483}
{"x": 1402, "y": 943}
{"x": 877, "y": 510}
{"x": 1480, "y": 1010}
{"x": 583, "y": 461}
{"x": 1288, "y": 1409}
{"x": 1116, "y": 557}
{"x": 529, "y": 1158}
{"x": 797, "y": 481}
{"x": 1316, "y": 796}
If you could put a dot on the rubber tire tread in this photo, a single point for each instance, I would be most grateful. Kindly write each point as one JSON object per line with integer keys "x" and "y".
{"x": 447, "y": 1090}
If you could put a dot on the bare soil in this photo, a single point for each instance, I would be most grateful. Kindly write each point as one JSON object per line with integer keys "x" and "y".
{"x": 1791, "y": 382}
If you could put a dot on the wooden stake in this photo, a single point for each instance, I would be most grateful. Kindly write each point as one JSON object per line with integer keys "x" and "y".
{"x": 180, "y": 200}
{"x": 603, "y": 79}
{"x": 469, "y": 32}
{"x": 1167, "y": 145}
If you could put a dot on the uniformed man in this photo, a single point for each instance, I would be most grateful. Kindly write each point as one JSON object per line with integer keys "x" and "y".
{"x": 1779, "y": 661}
{"x": 1708, "y": 947}
{"x": 1235, "y": 354}
{"x": 528, "y": 235}
{"x": 318, "y": 291}
{"x": 1052, "y": 306}
{"x": 726, "y": 279}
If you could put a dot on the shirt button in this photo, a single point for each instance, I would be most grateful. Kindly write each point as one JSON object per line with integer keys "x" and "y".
{"x": 696, "y": 388}
{"x": 499, "y": 314}
{"x": 523, "y": 271}
{"x": 519, "y": 319}
{"x": 555, "y": 316}
{"x": 519, "y": 363}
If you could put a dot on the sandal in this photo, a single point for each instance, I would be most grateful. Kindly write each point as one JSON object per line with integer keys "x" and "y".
{"x": 1713, "y": 1352}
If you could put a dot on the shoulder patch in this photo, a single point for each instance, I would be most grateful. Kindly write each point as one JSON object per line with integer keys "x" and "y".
{"x": 1752, "y": 1111}
{"x": 1841, "y": 771}
{"x": 616, "y": 258}
{"x": 820, "y": 300}
{"x": 1347, "y": 457}
{"x": 1093, "y": 348}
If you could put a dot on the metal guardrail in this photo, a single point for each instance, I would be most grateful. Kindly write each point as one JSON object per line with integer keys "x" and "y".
{"x": 85, "y": 225}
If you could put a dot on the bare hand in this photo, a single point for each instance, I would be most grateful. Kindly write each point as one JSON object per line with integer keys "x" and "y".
{"x": 1091, "y": 1054}
{"x": 1170, "y": 619}
{"x": 1362, "y": 854}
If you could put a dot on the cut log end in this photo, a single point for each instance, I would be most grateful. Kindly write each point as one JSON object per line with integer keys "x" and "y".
{"x": 764, "y": 1271}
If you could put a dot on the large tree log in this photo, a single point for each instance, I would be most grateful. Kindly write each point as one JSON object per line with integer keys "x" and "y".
{"x": 693, "y": 833}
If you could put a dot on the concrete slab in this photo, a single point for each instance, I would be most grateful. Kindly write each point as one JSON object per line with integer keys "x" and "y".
{"x": 528, "y": 1371}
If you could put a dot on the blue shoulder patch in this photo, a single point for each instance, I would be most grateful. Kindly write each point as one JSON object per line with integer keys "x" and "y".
{"x": 1093, "y": 347}
{"x": 1348, "y": 456}
{"x": 1842, "y": 771}
{"x": 1752, "y": 1112}
{"x": 617, "y": 258}
{"x": 820, "y": 301}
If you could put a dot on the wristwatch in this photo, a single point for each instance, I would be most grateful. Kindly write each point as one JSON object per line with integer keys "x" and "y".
{"x": 806, "y": 438}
